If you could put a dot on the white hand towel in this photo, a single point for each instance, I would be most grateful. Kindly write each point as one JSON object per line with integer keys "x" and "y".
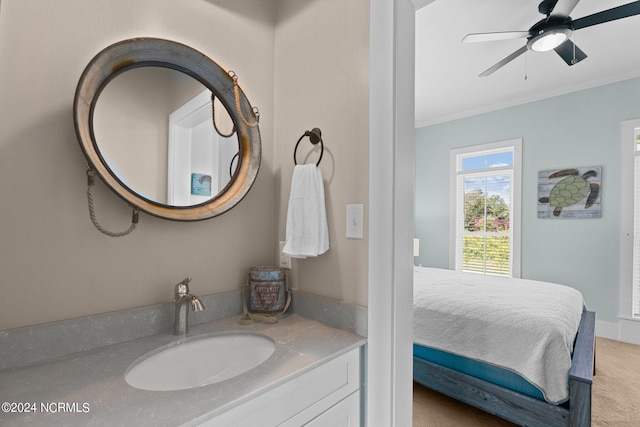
{"x": 307, "y": 232}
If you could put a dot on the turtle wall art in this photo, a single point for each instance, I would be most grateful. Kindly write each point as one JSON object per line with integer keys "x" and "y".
{"x": 570, "y": 193}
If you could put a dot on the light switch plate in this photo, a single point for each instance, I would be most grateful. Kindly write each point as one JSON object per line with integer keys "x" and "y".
{"x": 284, "y": 259}
{"x": 354, "y": 222}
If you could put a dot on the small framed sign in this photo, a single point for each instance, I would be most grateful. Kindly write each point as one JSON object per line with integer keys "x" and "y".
{"x": 200, "y": 184}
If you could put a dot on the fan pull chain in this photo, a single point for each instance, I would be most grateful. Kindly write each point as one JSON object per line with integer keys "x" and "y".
{"x": 574, "y": 60}
{"x": 525, "y": 65}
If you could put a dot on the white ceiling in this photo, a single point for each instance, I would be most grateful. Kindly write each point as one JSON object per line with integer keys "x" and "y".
{"x": 447, "y": 82}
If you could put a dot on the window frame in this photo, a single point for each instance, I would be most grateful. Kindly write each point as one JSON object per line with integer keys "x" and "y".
{"x": 627, "y": 212}
{"x": 455, "y": 155}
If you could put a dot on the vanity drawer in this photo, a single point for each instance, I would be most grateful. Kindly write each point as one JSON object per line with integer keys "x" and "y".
{"x": 345, "y": 413}
{"x": 301, "y": 399}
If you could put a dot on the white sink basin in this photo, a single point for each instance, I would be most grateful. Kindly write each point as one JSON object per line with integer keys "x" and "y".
{"x": 199, "y": 361}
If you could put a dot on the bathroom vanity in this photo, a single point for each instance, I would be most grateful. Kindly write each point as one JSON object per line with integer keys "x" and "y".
{"x": 79, "y": 371}
{"x": 312, "y": 378}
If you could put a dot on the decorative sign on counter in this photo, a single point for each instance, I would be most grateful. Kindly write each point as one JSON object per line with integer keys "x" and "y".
{"x": 268, "y": 285}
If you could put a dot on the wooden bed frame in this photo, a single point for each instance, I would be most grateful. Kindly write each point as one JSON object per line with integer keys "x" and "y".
{"x": 516, "y": 407}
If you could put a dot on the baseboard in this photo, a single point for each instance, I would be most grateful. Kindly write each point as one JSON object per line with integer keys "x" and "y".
{"x": 608, "y": 330}
{"x": 629, "y": 331}
{"x": 625, "y": 330}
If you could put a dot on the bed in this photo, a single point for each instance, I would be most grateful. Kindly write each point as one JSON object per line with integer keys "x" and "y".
{"x": 520, "y": 349}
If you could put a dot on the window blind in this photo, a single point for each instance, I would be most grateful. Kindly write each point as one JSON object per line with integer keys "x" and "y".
{"x": 636, "y": 236}
{"x": 483, "y": 222}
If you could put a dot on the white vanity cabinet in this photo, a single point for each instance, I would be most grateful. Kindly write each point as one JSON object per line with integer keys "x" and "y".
{"x": 327, "y": 395}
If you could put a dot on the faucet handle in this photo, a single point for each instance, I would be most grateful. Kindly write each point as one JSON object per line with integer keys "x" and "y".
{"x": 182, "y": 288}
{"x": 196, "y": 304}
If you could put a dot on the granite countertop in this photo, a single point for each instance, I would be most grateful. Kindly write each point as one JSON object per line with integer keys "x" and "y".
{"x": 89, "y": 389}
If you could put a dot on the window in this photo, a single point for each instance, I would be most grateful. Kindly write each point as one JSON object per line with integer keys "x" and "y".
{"x": 630, "y": 227}
{"x": 636, "y": 225}
{"x": 486, "y": 207}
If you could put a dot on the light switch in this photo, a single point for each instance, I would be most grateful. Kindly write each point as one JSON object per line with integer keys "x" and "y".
{"x": 354, "y": 222}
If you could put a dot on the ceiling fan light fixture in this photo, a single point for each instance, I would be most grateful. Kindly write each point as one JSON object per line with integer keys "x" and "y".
{"x": 549, "y": 40}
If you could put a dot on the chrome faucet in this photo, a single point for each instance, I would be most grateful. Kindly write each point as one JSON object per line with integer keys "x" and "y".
{"x": 182, "y": 299}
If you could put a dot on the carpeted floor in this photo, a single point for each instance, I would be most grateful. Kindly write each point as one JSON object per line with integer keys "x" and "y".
{"x": 615, "y": 395}
{"x": 616, "y": 385}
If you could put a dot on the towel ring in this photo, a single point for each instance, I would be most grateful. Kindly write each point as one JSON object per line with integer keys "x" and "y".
{"x": 315, "y": 136}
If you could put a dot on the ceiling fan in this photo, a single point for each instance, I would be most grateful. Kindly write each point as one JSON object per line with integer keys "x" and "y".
{"x": 553, "y": 31}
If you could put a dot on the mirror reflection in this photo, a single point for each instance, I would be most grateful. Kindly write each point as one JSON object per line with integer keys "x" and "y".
{"x": 125, "y": 134}
{"x": 154, "y": 128}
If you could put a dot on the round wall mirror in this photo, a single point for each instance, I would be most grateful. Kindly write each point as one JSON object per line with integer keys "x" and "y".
{"x": 167, "y": 129}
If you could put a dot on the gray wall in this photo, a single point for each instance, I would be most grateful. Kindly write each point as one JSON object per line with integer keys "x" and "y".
{"x": 55, "y": 265}
{"x": 303, "y": 63}
{"x": 577, "y": 129}
{"x": 322, "y": 80}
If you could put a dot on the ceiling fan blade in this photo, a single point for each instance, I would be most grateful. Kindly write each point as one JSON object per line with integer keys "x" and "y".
{"x": 489, "y": 37}
{"x": 624, "y": 11}
{"x": 505, "y": 61}
{"x": 566, "y": 52}
{"x": 564, "y": 8}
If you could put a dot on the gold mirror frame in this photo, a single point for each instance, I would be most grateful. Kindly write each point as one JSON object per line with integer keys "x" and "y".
{"x": 147, "y": 52}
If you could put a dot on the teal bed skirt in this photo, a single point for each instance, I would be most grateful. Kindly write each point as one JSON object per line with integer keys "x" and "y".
{"x": 477, "y": 369}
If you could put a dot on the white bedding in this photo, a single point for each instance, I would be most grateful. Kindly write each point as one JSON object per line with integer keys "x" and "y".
{"x": 522, "y": 325}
